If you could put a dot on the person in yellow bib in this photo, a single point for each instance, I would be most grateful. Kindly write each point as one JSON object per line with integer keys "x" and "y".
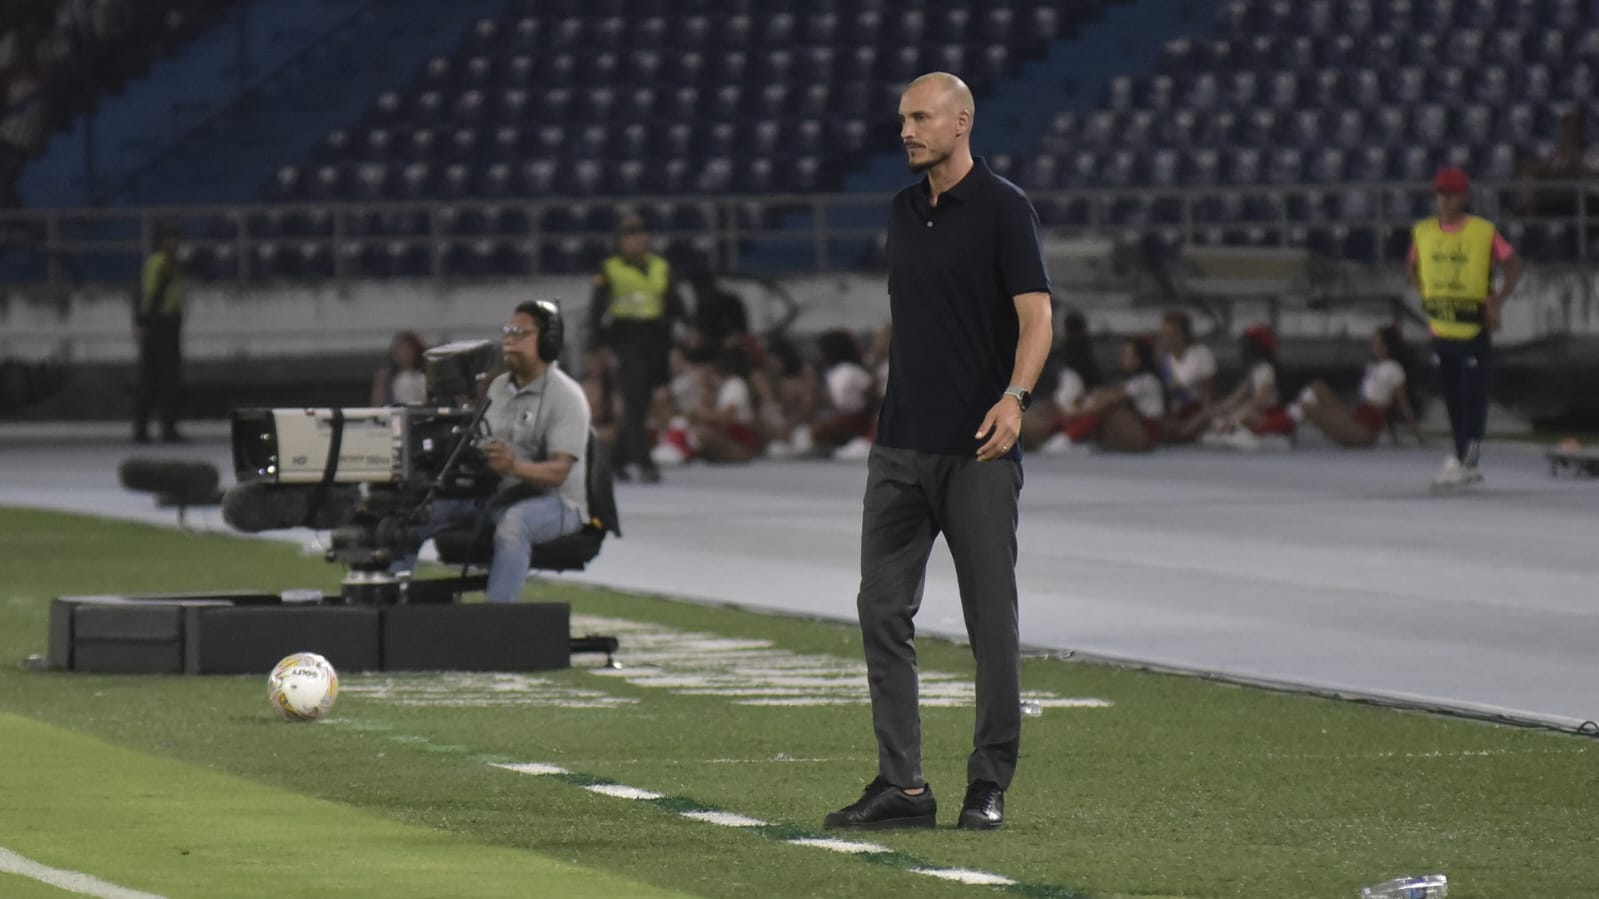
{"x": 1453, "y": 260}
{"x": 634, "y": 304}
{"x": 158, "y": 331}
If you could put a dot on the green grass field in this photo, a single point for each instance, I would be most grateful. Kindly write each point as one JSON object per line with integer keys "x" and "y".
{"x": 1178, "y": 788}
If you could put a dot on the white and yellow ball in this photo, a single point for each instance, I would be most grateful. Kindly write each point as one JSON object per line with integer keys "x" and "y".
{"x": 303, "y": 687}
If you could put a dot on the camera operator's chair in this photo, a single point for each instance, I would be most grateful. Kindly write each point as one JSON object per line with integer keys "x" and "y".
{"x": 474, "y": 547}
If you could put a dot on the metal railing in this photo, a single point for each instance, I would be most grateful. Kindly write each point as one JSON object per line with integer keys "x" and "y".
{"x": 455, "y": 240}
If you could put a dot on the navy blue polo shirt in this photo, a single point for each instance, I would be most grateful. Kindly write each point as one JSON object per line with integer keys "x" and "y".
{"x": 953, "y": 272}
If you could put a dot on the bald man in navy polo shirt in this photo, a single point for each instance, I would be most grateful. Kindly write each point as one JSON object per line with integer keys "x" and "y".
{"x": 970, "y": 302}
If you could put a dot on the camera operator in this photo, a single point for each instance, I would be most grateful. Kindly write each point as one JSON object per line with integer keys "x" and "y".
{"x": 538, "y": 422}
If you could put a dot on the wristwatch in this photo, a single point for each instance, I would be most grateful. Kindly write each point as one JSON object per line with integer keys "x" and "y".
{"x": 1024, "y": 397}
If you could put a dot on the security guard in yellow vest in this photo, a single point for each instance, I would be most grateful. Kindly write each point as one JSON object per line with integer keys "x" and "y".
{"x": 634, "y": 304}
{"x": 158, "y": 327}
{"x": 1452, "y": 262}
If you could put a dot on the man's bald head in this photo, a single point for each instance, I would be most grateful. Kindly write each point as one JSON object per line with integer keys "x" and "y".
{"x": 935, "y": 119}
{"x": 948, "y": 88}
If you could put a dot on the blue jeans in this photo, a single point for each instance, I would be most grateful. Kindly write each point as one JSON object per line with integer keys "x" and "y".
{"x": 520, "y": 525}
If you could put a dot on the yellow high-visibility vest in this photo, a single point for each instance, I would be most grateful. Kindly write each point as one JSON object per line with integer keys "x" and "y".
{"x": 1456, "y": 275}
{"x": 161, "y": 276}
{"x": 635, "y": 293}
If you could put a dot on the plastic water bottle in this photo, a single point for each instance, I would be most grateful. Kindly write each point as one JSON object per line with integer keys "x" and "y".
{"x": 1429, "y": 886}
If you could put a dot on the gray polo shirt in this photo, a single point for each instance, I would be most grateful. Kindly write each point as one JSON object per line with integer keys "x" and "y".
{"x": 550, "y": 415}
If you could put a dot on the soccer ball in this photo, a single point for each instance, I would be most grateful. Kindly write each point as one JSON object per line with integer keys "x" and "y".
{"x": 302, "y": 687}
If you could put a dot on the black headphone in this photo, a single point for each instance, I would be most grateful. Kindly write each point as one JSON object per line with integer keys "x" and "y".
{"x": 552, "y": 330}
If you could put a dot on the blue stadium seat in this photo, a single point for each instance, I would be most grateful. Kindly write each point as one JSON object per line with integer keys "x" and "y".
{"x": 1535, "y": 84}
{"x": 1329, "y": 165}
{"x": 1203, "y": 167}
{"x": 1371, "y": 164}
{"x": 1287, "y": 165}
{"x": 1243, "y": 167}
{"x": 1261, "y": 127}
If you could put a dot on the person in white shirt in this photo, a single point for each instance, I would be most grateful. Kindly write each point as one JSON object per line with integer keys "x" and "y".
{"x": 1254, "y": 408}
{"x": 1189, "y": 370}
{"x": 1381, "y": 390}
{"x": 402, "y": 382}
{"x": 849, "y": 393}
{"x": 1127, "y": 417}
{"x": 724, "y": 427}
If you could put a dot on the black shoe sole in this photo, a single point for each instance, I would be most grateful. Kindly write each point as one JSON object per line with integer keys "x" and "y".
{"x": 910, "y": 823}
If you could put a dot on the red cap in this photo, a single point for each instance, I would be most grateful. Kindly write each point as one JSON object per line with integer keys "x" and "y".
{"x": 1263, "y": 335}
{"x": 1451, "y": 180}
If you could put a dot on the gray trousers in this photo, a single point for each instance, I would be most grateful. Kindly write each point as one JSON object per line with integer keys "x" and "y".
{"x": 912, "y": 497}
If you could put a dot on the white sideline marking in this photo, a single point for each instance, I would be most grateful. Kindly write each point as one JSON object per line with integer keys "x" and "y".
{"x": 71, "y": 881}
{"x": 845, "y": 846}
{"x": 622, "y": 791}
{"x": 725, "y": 819}
{"x": 780, "y": 758}
{"x": 965, "y": 875}
{"x": 722, "y": 819}
{"x": 1072, "y": 703}
{"x": 537, "y": 769}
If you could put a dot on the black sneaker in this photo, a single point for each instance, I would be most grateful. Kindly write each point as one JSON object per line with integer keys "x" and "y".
{"x": 984, "y": 808}
{"x": 883, "y": 806}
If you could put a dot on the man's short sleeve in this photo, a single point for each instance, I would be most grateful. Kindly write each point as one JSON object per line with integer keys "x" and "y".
{"x": 568, "y": 430}
{"x": 1021, "y": 259}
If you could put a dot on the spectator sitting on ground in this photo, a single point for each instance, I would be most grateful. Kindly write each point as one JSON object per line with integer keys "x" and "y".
{"x": 1126, "y": 417}
{"x": 403, "y": 381}
{"x": 723, "y": 428}
{"x": 1071, "y": 374}
{"x": 1189, "y": 370}
{"x": 849, "y": 395}
{"x": 1253, "y": 410}
{"x": 786, "y": 390}
{"x": 668, "y": 428}
{"x": 1383, "y": 388}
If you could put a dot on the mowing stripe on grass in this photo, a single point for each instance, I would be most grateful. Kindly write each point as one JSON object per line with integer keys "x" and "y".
{"x": 71, "y": 881}
{"x": 188, "y": 832}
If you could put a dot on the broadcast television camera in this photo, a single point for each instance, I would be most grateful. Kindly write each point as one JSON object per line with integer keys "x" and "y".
{"x": 367, "y": 474}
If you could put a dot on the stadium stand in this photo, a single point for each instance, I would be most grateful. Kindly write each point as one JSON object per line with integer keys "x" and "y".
{"x": 638, "y": 99}
{"x": 1358, "y": 101}
{"x": 1313, "y": 124}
